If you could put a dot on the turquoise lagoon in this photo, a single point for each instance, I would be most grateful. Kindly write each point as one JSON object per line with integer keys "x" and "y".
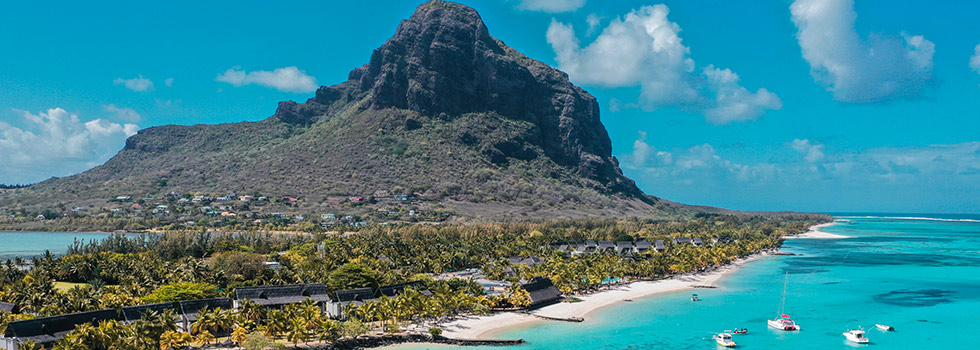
{"x": 27, "y": 244}
{"x": 920, "y": 275}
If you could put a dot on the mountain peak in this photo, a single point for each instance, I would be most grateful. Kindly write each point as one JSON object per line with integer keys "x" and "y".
{"x": 442, "y": 110}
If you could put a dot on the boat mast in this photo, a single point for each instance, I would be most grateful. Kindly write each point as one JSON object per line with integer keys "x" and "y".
{"x": 782, "y": 300}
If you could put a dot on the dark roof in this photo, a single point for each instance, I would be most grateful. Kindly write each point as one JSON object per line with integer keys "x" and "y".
{"x": 133, "y": 313}
{"x": 682, "y": 239}
{"x": 590, "y": 243}
{"x": 659, "y": 244}
{"x": 281, "y": 295}
{"x": 48, "y": 329}
{"x": 697, "y": 240}
{"x": 188, "y": 307}
{"x": 8, "y": 307}
{"x": 398, "y": 288}
{"x": 542, "y": 291}
{"x": 359, "y": 294}
{"x": 603, "y": 245}
{"x": 642, "y": 244}
{"x": 624, "y": 245}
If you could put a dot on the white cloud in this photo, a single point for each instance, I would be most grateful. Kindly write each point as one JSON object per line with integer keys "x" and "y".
{"x": 812, "y": 152}
{"x": 169, "y": 82}
{"x": 593, "y": 20}
{"x": 551, "y": 5}
{"x": 975, "y": 59}
{"x": 644, "y": 49}
{"x": 123, "y": 113}
{"x": 877, "y": 69}
{"x": 136, "y": 84}
{"x": 288, "y": 79}
{"x": 57, "y": 143}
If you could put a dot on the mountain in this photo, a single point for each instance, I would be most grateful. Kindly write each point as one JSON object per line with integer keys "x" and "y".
{"x": 443, "y": 112}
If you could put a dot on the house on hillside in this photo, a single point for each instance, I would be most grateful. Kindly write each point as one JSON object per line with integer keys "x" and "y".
{"x": 659, "y": 246}
{"x": 605, "y": 247}
{"x": 697, "y": 242}
{"x": 624, "y": 247}
{"x": 542, "y": 291}
{"x": 526, "y": 261}
{"x": 642, "y": 246}
{"x": 682, "y": 240}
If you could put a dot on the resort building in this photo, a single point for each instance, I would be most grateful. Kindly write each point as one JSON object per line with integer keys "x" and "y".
{"x": 133, "y": 313}
{"x": 47, "y": 330}
{"x": 277, "y": 296}
{"x": 542, "y": 291}
{"x": 642, "y": 246}
{"x": 190, "y": 308}
{"x": 343, "y": 298}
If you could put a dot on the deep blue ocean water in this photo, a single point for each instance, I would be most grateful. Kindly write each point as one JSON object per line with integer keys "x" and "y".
{"x": 920, "y": 276}
{"x": 27, "y": 244}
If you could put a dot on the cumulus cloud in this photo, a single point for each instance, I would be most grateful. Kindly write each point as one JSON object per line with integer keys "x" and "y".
{"x": 812, "y": 152}
{"x": 122, "y": 113}
{"x": 876, "y": 69}
{"x": 805, "y": 174}
{"x": 551, "y": 5}
{"x": 136, "y": 84}
{"x": 644, "y": 49}
{"x": 57, "y": 143}
{"x": 975, "y": 59}
{"x": 288, "y": 79}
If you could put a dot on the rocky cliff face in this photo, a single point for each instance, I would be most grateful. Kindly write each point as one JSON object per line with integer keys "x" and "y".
{"x": 443, "y": 62}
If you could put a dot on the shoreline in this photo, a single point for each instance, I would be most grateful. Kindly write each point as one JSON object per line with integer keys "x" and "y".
{"x": 487, "y": 327}
{"x": 814, "y": 232}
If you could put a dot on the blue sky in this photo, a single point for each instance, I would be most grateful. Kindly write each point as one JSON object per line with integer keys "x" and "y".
{"x": 816, "y": 105}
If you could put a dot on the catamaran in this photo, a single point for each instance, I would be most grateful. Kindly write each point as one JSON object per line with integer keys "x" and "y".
{"x": 857, "y": 336}
{"x": 782, "y": 321}
{"x": 724, "y": 339}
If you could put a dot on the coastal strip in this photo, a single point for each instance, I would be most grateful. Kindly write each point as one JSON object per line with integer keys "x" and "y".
{"x": 485, "y": 327}
{"x": 815, "y": 233}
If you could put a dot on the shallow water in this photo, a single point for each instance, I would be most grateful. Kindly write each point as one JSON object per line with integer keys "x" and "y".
{"x": 27, "y": 244}
{"x": 920, "y": 276}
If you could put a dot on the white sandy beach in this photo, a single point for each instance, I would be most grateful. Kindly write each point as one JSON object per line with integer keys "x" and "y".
{"x": 484, "y": 326}
{"x": 815, "y": 233}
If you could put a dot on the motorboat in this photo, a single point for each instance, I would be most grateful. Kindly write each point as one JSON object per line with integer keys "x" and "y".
{"x": 724, "y": 339}
{"x": 885, "y": 327}
{"x": 694, "y": 297}
{"x": 741, "y": 331}
{"x": 783, "y": 322}
{"x": 857, "y": 336}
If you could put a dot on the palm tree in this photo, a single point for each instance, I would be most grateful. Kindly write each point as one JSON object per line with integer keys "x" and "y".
{"x": 297, "y": 332}
{"x": 172, "y": 340}
{"x": 238, "y": 335}
{"x": 205, "y": 338}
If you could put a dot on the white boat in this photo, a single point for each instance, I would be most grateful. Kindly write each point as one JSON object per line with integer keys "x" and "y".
{"x": 885, "y": 327}
{"x": 782, "y": 321}
{"x": 694, "y": 297}
{"x": 724, "y": 339}
{"x": 857, "y": 336}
